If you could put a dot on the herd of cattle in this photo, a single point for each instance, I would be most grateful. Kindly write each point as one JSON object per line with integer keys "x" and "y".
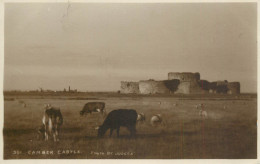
{"x": 52, "y": 120}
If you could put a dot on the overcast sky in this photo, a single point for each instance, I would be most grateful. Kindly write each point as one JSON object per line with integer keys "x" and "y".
{"x": 92, "y": 47}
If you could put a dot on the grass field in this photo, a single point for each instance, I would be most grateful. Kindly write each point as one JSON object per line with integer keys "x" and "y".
{"x": 227, "y": 133}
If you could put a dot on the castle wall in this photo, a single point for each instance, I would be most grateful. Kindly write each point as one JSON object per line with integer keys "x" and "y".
{"x": 198, "y": 87}
{"x": 172, "y": 85}
{"x": 182, "y": 83}
{"x": 233, "y": 88}
{"x": 129, "y": 87}
{"x": 153, "y": 87}
{"x": 219, "y": 87}
{"x": 184, "y": 87}
{"x": 204, "y": 84}
{"x": 190, "y": 87}
{"x": 189, "y": 83}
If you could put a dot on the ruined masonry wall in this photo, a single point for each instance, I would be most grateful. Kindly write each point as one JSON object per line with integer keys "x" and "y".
{"x": 153, "y": 87}
{"x": 129, "y": 87}
{"x": 183, "y": 83}
{"x": 184, "y": 87}
{"x": 233, "y": 88}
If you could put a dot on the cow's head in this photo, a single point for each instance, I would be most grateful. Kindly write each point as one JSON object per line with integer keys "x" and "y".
{"x": 101, "y": 131}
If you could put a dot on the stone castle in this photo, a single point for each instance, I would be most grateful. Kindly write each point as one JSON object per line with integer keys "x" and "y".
{"x": 180, "y": 83}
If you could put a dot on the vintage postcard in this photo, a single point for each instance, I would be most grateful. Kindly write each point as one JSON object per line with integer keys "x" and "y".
{"x": 130, "y": 80}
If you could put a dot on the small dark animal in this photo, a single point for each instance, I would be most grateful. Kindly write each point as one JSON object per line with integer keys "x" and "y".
{"x": 117, "y": 118}
{"x": 41, "y": 132}
{"x": 52, "y": 120}
{"x": 93, "y": 107}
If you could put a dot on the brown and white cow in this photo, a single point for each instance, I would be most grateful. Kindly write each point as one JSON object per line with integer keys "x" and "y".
{"x": 52, "y": 120}
{"x": 93, "y": 107}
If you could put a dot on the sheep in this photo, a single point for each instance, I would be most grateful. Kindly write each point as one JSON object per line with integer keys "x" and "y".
{"x": 203, "y": 114}
{"x": 23, "y": 103}
{"x": 156, "y": 120}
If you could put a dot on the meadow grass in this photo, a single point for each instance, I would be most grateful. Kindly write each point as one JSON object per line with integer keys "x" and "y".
{"x": 227, "y": 133}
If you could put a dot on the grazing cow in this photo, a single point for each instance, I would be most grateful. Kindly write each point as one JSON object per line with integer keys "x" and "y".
{"x": 93, "y": 107}
{"x": 117, "y": 118}
{"x": 52, "y": 120}
{"x": 156, "y": 119}
{"x": 140, "y": 118}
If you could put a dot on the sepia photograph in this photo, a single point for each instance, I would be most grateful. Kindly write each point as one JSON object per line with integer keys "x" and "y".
{"x": 130, "y": 80}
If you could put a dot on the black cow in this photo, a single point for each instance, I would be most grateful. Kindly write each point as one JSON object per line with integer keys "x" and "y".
{"x": 93, "y": 107}
{"x": 117, "y": 118}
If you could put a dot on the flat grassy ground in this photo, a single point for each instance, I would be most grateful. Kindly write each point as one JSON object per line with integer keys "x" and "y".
{"x": 227, "y": 133}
